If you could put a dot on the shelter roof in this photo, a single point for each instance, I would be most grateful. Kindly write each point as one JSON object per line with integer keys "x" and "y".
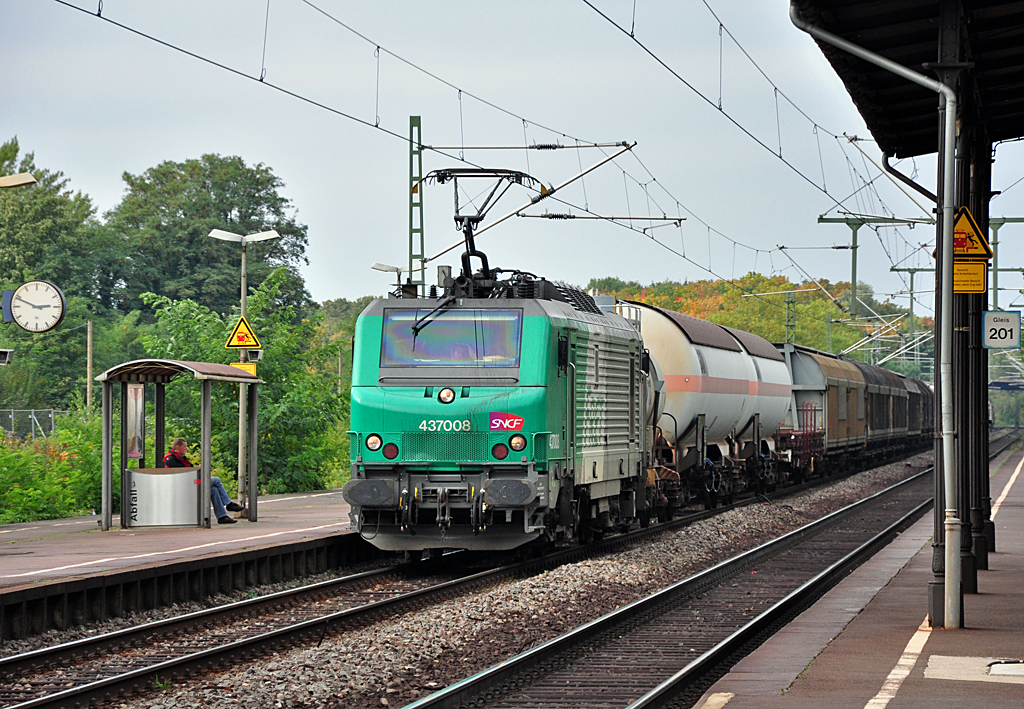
{"x": 902, "y": 116}
{"x": 161, "y": 371}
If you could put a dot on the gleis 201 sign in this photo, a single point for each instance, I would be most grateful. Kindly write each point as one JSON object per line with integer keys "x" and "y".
{"x": 506, "y": 422}
{"x": 1001, "y": 329}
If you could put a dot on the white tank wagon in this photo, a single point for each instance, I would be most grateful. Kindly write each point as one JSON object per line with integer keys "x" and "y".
{"x": 725, "y": 392}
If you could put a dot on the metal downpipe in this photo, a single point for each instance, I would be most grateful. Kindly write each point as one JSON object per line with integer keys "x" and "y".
{"x": 952, "y": 524}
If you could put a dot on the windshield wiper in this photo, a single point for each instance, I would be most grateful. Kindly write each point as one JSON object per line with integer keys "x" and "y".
{"x": 425, "y": 320}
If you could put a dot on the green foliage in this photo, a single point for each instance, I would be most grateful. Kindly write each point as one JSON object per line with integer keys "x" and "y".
{"x": 299, "y": 408}
{"x": 1007, "y": 407}
{"x": 163, "y": 223}
{"x": 46, "y": 230}
{"x": 154, "y": 284}
{"x": 52, "y": 478}
{"x": 744, "y": 304}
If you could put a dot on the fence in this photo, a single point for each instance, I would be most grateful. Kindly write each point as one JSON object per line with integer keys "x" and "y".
{"x": 29, "y": 423}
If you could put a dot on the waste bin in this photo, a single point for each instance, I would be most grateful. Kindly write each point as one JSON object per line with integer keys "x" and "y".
{"x": 163, "y": 497}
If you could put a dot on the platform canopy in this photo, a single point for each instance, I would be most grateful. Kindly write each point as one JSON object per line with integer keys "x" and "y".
{"x": 900, "y": 115}
{"x": 161, "y": 371}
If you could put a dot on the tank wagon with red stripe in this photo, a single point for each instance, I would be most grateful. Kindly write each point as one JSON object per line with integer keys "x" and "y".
{"x": 724, "y": 393}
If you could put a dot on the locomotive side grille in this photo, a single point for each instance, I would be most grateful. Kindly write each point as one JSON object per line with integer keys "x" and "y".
{"x": 444, "y": 447}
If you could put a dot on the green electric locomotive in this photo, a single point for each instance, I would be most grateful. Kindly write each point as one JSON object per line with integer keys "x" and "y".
{"x": 503, "y": 412}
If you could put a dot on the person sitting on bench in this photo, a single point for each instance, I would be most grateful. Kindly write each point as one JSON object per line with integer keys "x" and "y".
{"x": 177, "y": 458}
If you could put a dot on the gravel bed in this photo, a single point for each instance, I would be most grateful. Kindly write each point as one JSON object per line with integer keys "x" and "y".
{"x": 392, "y": 664}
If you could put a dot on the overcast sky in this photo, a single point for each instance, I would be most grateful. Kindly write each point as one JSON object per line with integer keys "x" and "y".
{"x": 95, "y": 100}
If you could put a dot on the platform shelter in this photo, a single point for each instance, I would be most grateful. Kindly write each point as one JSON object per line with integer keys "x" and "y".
{"x": 134, "y": 377}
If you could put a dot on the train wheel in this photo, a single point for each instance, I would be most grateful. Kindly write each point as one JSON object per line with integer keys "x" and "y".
{"x": 414, "y": 555}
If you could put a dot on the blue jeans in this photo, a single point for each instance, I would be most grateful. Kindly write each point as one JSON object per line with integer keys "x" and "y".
{"x": 219, "y": 495}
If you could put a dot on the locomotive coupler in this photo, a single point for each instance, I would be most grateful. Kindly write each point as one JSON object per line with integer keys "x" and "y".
{"x": 444, "y": 511}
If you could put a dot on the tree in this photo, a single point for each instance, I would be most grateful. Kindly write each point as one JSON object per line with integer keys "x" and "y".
{"x": 300, "y": 447}
{"x": 162, "y": 227}
{"x": 46, "y": 230}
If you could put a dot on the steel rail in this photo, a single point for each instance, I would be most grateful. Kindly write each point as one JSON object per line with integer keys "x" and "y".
{"x": 17, "y": 665}
{"x": 799, "y": 599}
{"x": 137, "y": 680}
{"x": 502, "y": 675}
{"x": 479, "y": 684}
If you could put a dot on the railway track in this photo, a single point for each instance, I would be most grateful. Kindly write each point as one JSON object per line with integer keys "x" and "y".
{"x": 108, "y": 665}
{"x": 695, "y": 623}
{"x": 137, "y": 659}
{"x": 702, "y": 625}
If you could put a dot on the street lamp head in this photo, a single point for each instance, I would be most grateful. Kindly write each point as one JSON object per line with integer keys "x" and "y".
{"x": 386, "y": 268}
{"x": 225, "y": 235}
{"x": 19, "y": 180}
{"x": 262, "y": 236}
{"x": 230, "y": 236}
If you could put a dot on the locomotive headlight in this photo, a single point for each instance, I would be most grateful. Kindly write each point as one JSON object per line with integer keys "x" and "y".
{"x": 390, "y": 451}
{"x": 500, "y": 451}
{"x": 446, "y": 396}
{"x": 373, "y": 442}
{"x": 518, "y": 442}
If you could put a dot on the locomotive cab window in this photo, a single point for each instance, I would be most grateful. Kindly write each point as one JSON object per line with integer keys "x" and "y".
{"x": 451, "y": 338}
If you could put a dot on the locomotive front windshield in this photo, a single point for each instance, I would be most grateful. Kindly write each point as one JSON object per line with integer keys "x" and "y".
{"x": 451, "y": 338}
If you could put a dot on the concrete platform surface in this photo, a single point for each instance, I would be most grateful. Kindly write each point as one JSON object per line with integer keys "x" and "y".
{"x": 52, "y": 550}
{"x": 867, "y": 643}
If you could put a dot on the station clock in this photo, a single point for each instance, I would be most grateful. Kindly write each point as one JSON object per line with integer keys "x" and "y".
{"x": 38, "y": 306}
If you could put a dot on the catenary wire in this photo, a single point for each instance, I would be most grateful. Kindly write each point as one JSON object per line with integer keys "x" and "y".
{"x": 391, "y": 133}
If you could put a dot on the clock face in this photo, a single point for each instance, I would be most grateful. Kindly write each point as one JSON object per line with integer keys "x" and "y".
{"x": 37, "y": 306}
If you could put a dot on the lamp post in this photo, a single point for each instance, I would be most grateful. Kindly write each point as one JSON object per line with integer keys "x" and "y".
{"x": 244, "y": 241}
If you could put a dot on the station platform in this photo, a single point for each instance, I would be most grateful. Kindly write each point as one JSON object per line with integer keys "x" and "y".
{"x": 866, "y": 644}
{"x": 49, "y": 551}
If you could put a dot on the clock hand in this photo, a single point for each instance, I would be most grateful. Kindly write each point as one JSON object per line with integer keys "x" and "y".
{"x": 32, "y": 305}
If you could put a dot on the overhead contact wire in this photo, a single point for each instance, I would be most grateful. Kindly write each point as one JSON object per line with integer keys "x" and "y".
{"x": 242, "y": 74}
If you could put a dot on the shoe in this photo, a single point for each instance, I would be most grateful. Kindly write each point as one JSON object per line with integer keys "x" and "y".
{"x": 226, "y": 520}
{"x": 234, "y": 507}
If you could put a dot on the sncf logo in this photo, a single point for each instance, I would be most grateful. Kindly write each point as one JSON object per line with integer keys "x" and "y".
{"x": 506, "y": 422}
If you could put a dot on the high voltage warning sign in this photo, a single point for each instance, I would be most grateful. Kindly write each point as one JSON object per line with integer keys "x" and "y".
{"x": 243, "y": 338}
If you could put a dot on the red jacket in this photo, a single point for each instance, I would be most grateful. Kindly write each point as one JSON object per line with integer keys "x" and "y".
{"x": 171, "y": 460}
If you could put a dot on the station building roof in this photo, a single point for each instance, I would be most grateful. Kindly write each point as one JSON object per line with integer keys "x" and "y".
{"x": 902, "y": 116}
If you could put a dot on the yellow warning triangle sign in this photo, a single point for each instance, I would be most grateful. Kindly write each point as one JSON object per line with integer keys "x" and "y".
{"x": 968, "y": 241}
{"x": 242, "y": 337}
